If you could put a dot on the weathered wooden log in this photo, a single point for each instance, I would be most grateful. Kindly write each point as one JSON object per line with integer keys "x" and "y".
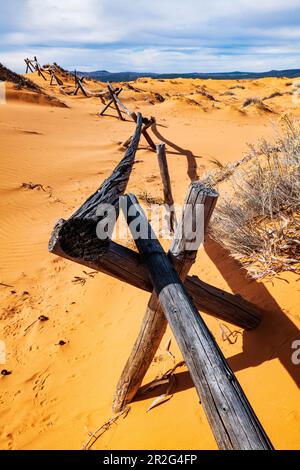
{"x": 114, "y": 98}
{"x": 145, "y": 130}
{"x": 116, "y": 93}
{"x": 77, "y": 237}
{"x": 79, "y": 86}
{"x": 166, "y": 181}
{"x": 38, "y": 68}
{"x": 28, "y": 65}
{"x": 117, "y": 100}
{"x": 147, "y": 124}
{"x": 125, "y": 265}
{"x": 199, "y": 204}
{"x": 231, "y": 417}
{"x": 55, "y": 79}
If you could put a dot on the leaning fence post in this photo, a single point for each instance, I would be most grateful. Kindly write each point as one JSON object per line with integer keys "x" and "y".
{"x": 231, "y": 417}
{"x": 154, "y": 322}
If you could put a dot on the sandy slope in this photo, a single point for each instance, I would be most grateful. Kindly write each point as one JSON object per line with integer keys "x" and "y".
{"x": 56, "y": 394}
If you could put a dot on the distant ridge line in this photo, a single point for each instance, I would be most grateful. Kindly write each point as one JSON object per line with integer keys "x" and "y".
{"x": 105, "y": 76}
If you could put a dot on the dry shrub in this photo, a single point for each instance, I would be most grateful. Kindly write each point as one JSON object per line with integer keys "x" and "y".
{"x": 258, "y": 221}
{"x": 227, "y": 93}
{"x": 241, "y": 87}
{"x": 256, "y": 102}
{"x": 272, "y": 95}
{"x": 20, "y": 81}
{"x": 205, "y": 93}
{"x": 149, "y": 199}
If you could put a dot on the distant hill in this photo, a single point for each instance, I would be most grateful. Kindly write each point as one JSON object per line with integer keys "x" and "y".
{"x": 105, "y": 76}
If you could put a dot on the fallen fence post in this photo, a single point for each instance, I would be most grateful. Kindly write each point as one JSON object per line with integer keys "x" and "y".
{"x": 77, "y": 236}
{"x": 231, "y": 417}
{"x": 125, "y": 265}
{"x": 199, "y": 204}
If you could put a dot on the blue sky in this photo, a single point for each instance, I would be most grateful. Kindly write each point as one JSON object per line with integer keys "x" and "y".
{"x": 152, "y": 35}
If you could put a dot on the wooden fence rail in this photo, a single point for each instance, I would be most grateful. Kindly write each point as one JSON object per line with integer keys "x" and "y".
{"x": 175, "y": 296}
{"x": 233, "y": 421}
{"x": 77, "y": 236}
{"x": 199, "y": 205}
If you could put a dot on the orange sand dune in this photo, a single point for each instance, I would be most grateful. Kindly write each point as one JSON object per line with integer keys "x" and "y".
{"x": 56, "y": 394}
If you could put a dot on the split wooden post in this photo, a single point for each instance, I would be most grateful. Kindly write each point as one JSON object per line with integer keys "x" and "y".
{"x": 79, "y": 86}
{"x": 77, "y": 236}
{"x": 116, "y": 93}
{"x": 118, "y": 101}
{"x": 125, "y": 265}
{"x": 38, "y": 68}
{"x": 147, "y": 124}
{"x": 54, "y": 78}
{"x": 28, "y": 66}
{"x": 166, "y": 181}
{"x": 231, "y": 417}
{"x": 199, "y": 205}
{"x": 114, "y": 99}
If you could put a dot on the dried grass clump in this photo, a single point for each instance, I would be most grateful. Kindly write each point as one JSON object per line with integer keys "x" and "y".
{"x": 258, "y": 103}
{"x": 217, "y": 176}
{"x": 205, "y": 93}
{"x": 227, "y": 93}
{"x": 149, "y": 199}
{"x": 20, "y": 81}
{"x": 259, "y": 221}
{"x": 272, "y": 95}
{"x": 233, "y": 87}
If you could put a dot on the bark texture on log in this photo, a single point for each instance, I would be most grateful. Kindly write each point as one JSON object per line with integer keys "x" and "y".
{"x": 126, "y": 266}
{"x": 199, "y": 205}
{"x": 166, "y": 181}
{"x": 77, "y": 236}
{"x": 230, "y": 415}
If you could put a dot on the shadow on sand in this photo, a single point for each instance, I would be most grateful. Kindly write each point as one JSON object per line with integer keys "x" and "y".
{"x": 272, "y": 339}
{"x": 191, "y": 158}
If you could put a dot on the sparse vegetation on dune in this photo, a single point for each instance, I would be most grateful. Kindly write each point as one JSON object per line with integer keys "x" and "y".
{"x": 273, "y": 95}
{"x": 149, "y": 199}
{"x": 233, "y": 87}
{"x": 19, "y": 81}
{"x": 227, "y": 93}
{"x": 259, "y": 220}
{"x": 205, "y": 93}
{"x": 257, "y": 103}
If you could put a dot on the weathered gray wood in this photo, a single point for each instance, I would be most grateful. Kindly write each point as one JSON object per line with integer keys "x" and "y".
{"x": 28, "y": 65}
{"x": 125, "y": 265}
{"x": 38, "y": 68}
{"x": 116, "y": 93}
{"x": 147, "y": 124}
{"x": 54, "y": 78}
{"x": 118, "y": 101}
{"x": 114, "y": 98}
{"x": 59, "y": 81}
{"x": 199, "y": 205}
{"x": 79, "y": 86}
{"x": 166, "y": 181}
{"x": 77, "y": 236}
{"x": 231, "y": 417}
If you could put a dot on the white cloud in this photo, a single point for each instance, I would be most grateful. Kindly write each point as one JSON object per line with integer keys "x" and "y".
{"x": 161, "y": 35}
